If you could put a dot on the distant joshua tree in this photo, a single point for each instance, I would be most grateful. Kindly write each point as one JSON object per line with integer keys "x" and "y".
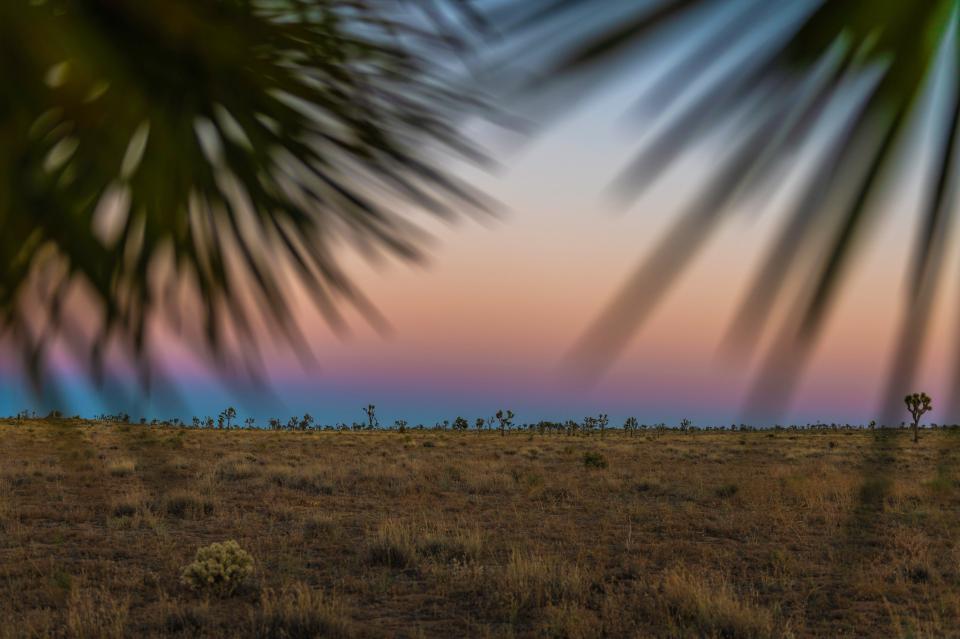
{"x": 917, "y": 404}
{"x": 250, "y": 423}
{"x": 685, "y": 424}
{"x": 306, "y": 422}
{"x": 400, "y": 425}
{"x": 505, "y": 419}
{"x": 602, "y": 421}
{"x": 460, "y": 424}
{"x": 479, "y": 424}
{"x": 371, "y": 412}
{"x": 227, "y": 416}
{"x": 630, "y": 426}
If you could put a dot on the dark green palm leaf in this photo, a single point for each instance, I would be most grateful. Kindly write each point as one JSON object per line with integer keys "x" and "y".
{"x": 206, "y": 157}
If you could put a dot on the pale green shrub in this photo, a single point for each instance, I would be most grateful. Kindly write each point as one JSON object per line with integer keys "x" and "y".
{"x": 220, "y": 568}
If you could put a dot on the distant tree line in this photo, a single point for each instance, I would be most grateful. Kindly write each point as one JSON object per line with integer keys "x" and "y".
{"x": 501, "y": 422}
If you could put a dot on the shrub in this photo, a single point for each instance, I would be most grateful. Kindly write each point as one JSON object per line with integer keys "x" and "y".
{"x": 594, "y": 460}
{"x": 122, "y": 468}
{"x": 300, "y": 612}
{"x": 392, "y": 546}
{"x": 707, "y": 607}
{"x": 188, "y": 504}
{"x": 727, "y": 490}
{"x": 95, "y": 614}
{"x": 221, "y": 568}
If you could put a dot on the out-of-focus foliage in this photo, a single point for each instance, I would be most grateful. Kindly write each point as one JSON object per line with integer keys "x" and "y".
{"x": 207, "y": 157}
{"x": 767, "y": 78}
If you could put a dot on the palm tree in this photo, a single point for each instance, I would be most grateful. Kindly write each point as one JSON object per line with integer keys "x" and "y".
{"x": 849, "y": 80}
{"x": 212, "y": 155}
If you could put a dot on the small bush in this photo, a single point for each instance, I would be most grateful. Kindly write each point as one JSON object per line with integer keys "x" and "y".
{"x": 727, "y": 490}
{"x": 95, "y": 614}
{"x": 300, "y": 613}
{"x": 707, "y": 607}
{"x": 121, "y": 468}
{"x": 392, "y": 546}
{"x": 236, "y": 468}
{"x": 306, "y": 480}
{"x": 220, "y": 568}
{"x": 188, "y": 504}
{"x": 594, "y": 460}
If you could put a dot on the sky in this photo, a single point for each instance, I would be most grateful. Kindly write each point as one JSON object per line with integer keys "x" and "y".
{"x": 486, "y": 323}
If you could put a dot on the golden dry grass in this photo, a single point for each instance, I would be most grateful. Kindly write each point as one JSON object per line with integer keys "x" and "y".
{"x": 785, "y": 534}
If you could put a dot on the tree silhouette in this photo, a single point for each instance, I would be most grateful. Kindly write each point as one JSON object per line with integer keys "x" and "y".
{"x": 505, "y": 419}
{"x": 917, "y": 405}
{"x": 227, "y": 417}
{"x": 211, "y": 155}
{"x": 371, "y": 412}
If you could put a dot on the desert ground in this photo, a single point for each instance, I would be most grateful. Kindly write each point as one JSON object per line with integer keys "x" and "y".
{"x": 827, "y": 533}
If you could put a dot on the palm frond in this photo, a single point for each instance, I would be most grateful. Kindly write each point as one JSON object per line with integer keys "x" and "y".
{"x": 776, "y": 74}
{"x": 210, "y": 156}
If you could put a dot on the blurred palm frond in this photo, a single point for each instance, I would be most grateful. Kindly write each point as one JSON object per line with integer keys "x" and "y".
{"x": 852, "y": 78}
{"x": 225, "y": 148}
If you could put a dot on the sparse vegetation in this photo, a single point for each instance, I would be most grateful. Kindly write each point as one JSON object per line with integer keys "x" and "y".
{"x": 358, "y": 533}
{"x": 593, "y": 459}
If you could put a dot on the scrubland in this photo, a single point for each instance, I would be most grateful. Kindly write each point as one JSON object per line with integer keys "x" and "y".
{"x": 443, "y": 534}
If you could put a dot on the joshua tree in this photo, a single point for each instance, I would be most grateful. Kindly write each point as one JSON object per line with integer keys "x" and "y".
{"x": 227, "y": 416}
{"x": 306, "y": 422}
{"x": 589, "y": 423}
{"x": 371, "y": 412}
{"x": 685, "y": 424}
{"x": 917, "y": 404}
{"x": 505, "y": 418}
{"x": 602, "y": 421}
{"x": 400, "y": 425}
{"x": 479, "y": 424}
{"x": 250, "y": 423}
{"x": 460, "y": 424}
{"x": 630, "y": 426}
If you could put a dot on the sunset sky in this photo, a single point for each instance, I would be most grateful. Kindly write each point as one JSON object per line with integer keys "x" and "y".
{"x": 486, "y": 323}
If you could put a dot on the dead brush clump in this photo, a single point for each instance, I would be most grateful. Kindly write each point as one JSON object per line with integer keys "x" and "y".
{"x": 236, "y": 468}
{"x": 392, "y": 545}
{"x": 185, "y": 618}
{"x": 531, "y": 580}
{"x": 310, "y": 480}
{"x": 708, "y": 606}
{"x": 319, "y": 525}
{"x": 908, "y": 556}
{"x": 571, "y": 621}
{"x": 131, "y": 512}
{"x": 300, "y": 613}
{"x": 121, "y": 467}
{"x": 6, "y": 502}
{"x": 458, "y": 546}
{"x": 188, "y": 504}
{"x": 489, "y": 483}
{"x": 95, "y": 614}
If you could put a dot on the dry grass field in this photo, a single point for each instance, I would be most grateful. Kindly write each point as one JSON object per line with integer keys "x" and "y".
{"x": 430, "y": 534}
